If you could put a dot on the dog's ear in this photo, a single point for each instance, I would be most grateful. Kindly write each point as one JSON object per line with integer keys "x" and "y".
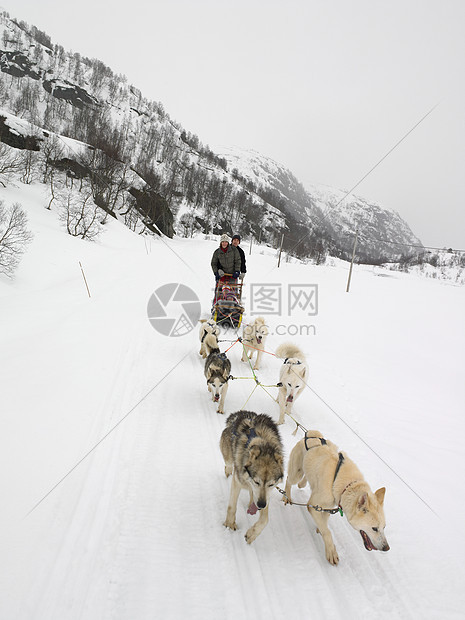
{"x": 304, "y": 372}
{"x": 202, "y": 320}
{"x": 362, "y": 501}
{"x": 279, "y": 458}
{"x": 380, "y": 495}
{"x": 254, "y": 452}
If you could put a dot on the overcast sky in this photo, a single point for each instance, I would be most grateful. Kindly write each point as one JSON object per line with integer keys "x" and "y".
{"x": 325, "y": 88}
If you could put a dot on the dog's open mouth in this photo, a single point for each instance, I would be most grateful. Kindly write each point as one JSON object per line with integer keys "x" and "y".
{"x": 290, "y": 398}
{"x": 217, "y": 398}
{"x": 366, "y": 541}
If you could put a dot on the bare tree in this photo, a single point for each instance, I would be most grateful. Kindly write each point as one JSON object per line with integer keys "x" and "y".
{"x": 10, "y": 162}
{"x": 51, "y": 150}
{"x": 79, "y": 214}
{"x": 29, "y": 161}
{"x": 14, "y": 237}
{"x": 132, "y": 218}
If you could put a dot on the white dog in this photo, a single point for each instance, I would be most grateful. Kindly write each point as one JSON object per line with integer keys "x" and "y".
{"x": 335, "y": 480}
{"x": 208, "y": 334}
{"x": 253, "y": 338}
{"x": 292, "y": 377}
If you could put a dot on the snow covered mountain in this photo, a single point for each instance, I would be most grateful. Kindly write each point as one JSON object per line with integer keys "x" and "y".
{"x": 382, "y": 233}
{"x": 182, "y": 186}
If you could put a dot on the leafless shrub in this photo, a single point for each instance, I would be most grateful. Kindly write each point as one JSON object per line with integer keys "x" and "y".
{"x": 79, "y": 214}
{"x": 14, "y": 237}
{"x": 10, "y": 163}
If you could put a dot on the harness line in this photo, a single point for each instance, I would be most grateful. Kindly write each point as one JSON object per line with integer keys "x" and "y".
{"x": 331, "y": 511}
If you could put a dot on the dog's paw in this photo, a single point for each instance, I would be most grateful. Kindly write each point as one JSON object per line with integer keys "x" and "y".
{"x": 230, "y": 525}
{"x": 332, "y": 556}
{"x": 250, "y": 535}
{"x": 220, "y": 411}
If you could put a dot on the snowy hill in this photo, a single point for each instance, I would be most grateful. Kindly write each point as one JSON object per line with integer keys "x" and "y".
{"x": 69, "y": 95}
{"x": 382, "y": 234}
{"x": 109, "y": 439}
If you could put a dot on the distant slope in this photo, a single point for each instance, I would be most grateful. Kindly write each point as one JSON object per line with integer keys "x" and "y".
{"x": 383, "y": 234}
{"x": 231, "y": 190}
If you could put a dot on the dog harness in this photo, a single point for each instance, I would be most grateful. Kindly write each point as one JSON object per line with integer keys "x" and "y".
{"x": 291, "y": 363}
{"x": 323, "y": 442}
{"x": 252, "y": 434}
{"x": 339, "y": 463}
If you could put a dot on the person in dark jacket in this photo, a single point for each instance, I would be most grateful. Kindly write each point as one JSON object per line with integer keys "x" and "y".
{"x": 235, "y": 241}
{"x": 226, "y": 259}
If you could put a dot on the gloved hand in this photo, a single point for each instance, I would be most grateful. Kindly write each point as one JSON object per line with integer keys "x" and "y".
{"x": 236, "y": 274}
{"x": 220, "y": 273}
{"x": 217, "y": 276}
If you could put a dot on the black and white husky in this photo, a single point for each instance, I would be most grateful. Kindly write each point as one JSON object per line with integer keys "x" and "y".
{"x": 217, "y": 372}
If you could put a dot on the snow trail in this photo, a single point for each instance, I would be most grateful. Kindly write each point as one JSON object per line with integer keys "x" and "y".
{"x": 136, "y": 531}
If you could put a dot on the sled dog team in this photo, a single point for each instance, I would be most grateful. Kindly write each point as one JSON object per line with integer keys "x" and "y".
{"x": 253, "y": 452}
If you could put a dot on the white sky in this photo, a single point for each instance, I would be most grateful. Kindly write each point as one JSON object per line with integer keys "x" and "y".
{"x": 325, "y": 88}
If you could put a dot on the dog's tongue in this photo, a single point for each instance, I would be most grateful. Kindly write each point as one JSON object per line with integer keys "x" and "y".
{"x": 252, "y": 509}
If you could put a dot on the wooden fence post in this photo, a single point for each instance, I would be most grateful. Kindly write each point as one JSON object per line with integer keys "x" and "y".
{"x": 352, "y": 261}
{"x": 83, "y": 275}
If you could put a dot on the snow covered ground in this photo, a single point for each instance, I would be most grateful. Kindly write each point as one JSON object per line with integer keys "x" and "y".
{"x": 134, "y": 529}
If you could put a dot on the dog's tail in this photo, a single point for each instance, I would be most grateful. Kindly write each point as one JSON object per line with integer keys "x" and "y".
{"x": 288, "y": 349}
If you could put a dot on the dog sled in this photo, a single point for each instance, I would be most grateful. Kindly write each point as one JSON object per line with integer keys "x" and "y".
{"x": 227, "y": 306}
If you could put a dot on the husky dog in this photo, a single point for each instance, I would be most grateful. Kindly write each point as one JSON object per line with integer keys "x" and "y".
{"x": 208, "y": 334}
{"x": 292, "y": 377}
{"x": 254, "y": 335}
{"x": 335, "y": 480}
{"x": 253, "y": 454}
{"x": 217, "y": 371}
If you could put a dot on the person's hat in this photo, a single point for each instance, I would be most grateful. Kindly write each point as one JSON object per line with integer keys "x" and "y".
{"x": 237, "y": 237}
{"x": 224, "y": 237}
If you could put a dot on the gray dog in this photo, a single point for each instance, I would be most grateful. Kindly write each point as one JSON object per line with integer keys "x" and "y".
{"x": 253, "y": 454}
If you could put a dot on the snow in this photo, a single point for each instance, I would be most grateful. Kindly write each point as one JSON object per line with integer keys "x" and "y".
{"x": 112, "y": 480}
